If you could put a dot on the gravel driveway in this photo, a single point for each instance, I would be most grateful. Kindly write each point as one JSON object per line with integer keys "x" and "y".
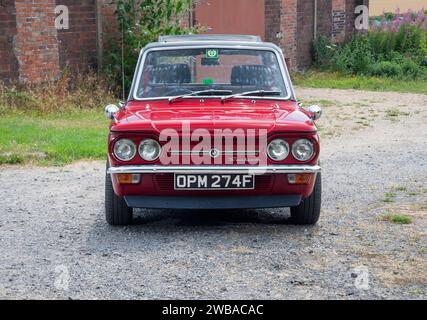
{"x": 55, "y": 243}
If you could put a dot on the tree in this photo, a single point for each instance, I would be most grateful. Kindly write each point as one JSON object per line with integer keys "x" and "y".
{"x": 142, "y": 22}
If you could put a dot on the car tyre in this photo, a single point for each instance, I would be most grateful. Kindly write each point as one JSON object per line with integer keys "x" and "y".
{"x": 117, "y": 212}
{"x": 308, "y": 211}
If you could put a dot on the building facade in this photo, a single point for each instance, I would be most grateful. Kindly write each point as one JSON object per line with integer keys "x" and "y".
{"x": 33, "y": 49}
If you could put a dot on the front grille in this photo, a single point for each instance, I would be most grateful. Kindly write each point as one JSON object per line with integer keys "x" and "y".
{"x": 165, "y": 182}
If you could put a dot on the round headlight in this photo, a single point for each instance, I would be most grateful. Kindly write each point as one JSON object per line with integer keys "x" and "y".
{"x": 302, "y": 150}
{"x": 124, "y": 150}
{"x": 149, "y": 150}
{"x": 278, "y": 150}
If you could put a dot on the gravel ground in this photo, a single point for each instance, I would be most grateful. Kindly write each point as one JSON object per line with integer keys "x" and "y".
{"x": 55, "y": 243}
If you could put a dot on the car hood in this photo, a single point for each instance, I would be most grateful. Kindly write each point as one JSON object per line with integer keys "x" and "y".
{"x": 211, "y": 114}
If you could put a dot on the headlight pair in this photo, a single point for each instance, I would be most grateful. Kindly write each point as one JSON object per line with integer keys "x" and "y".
{"x": 125, "y": 149}
{"x": 302, "y": 150}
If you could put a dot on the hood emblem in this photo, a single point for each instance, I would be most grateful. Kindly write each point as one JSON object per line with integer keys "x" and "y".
{"x": 215, "y": 153}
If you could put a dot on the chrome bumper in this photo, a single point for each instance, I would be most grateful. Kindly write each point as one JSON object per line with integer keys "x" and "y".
{"x": 216, "y": 169}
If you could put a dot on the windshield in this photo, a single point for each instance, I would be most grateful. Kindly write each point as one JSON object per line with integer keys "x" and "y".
{"x": 169, "y": 73}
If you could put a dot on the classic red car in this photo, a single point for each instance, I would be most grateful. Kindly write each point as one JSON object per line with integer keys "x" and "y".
{"x": 212, "y": 122}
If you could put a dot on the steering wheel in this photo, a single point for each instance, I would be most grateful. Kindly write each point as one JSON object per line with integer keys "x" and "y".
{"x": 178, "y": 91}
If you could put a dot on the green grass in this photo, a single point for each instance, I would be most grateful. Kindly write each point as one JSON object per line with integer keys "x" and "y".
{"x": 398, "y": 218}
{"x": 317, "y": 79}
{"x": 389, "y": 197}
{"x": 52, "y": 138}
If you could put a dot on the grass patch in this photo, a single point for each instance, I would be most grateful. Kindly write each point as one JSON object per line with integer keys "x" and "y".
{"x": 393, "y": 114}
{"x": 389, "y": 197}
{"x": 399, "y": 188}
{"x": 336, "y": 80}
{"x": 52, "y": 138}
{"x": 398, "y": 218}
{"x": 54, "y": 123}
{"x": 322, "y": 102}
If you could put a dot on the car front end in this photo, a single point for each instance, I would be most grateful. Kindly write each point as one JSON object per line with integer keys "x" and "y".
{"x": 212, "y": 124}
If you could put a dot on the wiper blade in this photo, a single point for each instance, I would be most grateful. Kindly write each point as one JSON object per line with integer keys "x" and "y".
{"x": 261, "y": 93}
{"x": 209, "y": 92}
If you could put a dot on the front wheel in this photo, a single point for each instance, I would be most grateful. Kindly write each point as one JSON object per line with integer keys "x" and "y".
{"x": 308, "y": 211}
{"x": 117, "y": 212}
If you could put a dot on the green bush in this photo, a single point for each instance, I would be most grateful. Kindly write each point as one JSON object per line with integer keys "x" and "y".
{"x": 324, "y": 51}
{"x": 411, "y": 69}
{"x": 355, "y": 57}
{"x": 386, "y": 69}
{"x": 401, "y": 53}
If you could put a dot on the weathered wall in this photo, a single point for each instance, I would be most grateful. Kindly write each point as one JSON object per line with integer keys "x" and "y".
{"x": 272, "y": 20}
{"x": 36, "y": 42}
{"x": 77, "y": 45}
{"x": 237, "y": 16}
{"x": 305, "y": 25}
{"x": 8, "y": 62}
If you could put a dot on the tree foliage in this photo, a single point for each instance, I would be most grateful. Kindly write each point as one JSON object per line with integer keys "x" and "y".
{"x": 142, "y": 22}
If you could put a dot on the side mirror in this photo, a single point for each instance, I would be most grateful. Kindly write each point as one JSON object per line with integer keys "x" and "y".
{"x": 315, "y": 112}
{"x": 110, "y": 110}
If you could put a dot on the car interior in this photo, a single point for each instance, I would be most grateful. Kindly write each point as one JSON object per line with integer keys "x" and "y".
{"x": 176, "y": 79}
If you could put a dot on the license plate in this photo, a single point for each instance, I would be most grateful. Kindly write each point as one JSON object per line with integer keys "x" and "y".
{"x": 214, "y": 182}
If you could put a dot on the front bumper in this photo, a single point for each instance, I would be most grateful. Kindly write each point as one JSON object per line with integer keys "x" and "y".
{"x": 212, "y": 202}
{"x": 216, "y": 169}
{"x": 156, "y": 188}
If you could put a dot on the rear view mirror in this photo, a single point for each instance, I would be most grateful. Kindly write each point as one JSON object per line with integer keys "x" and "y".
{"x": 210, "y": 62}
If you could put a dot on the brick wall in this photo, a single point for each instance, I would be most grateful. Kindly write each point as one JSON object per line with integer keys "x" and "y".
{"x": 305, "y": 23}
{"x": 338, "y": 20}
{"x": 324, "y": 18}
{"x": 272, "y": 20}
{"x": 8, "y": 62}
{"x": 36, "y": 42}
{"x": 78, "y": 44}
{"x": 289, "y": 32}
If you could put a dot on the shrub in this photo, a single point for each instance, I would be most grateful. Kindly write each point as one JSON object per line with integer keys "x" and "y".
{"x": 396, "y": 48}
{"x": 324, "y": 51}
{"x": 411, "y": 69}
{"x": 355, "y": 56}
{"x": 386, "y": 69}
{"x": 142, "y": 21}
{"x": 86, "y": 91}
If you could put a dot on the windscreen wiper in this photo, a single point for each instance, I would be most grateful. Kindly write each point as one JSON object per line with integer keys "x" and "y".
{"x": 260, "y": 93}
{"x": 209, "y": 92}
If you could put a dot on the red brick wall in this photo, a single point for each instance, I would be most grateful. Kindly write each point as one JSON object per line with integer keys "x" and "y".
{"x": 338, "y": 20}
{"x": 232, "y": 17}
{"x": 77, "y": 45}
{"x": 305, "y": 22}
{"x": 110, "y": 26}
{"x": 272, "y": 20}
{"x": 324, "y": 18}
{"x": 289, "y": 32}
{"x": 8, "y": 62}
{"x": 36, "y": 42}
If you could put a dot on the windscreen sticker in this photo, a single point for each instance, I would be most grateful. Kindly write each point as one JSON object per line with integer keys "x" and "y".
{"x": 208, "y": 81}
{"x": 212, "y": 53}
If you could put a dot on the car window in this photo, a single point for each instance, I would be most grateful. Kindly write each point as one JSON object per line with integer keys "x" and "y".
{"x": 167, "y": 73}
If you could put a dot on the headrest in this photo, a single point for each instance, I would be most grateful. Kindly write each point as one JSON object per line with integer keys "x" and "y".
{"x": 252, "y": 75}
{"x": 170, "y": 74}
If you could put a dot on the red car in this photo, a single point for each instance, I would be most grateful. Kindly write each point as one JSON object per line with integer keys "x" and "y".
{"x": 212, "y": 122}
